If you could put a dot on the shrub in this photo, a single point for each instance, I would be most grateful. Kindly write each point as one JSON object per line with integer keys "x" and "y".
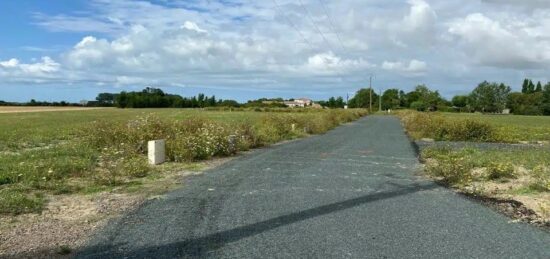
{"x": 541, "y": 174}
{"x": 454, "y": 167}
{"x": 116, "y": 164}
{"x": 496, "y": 170}
{"x": 17, "y": 202}
{"x": 425, "y": 125}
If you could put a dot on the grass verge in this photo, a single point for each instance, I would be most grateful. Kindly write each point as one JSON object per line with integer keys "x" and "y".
{"x": 91, "y": 151}
{"x": 518, "y": 175}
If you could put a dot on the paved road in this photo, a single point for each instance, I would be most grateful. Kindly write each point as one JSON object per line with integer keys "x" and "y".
{"x": 351, "y": 193}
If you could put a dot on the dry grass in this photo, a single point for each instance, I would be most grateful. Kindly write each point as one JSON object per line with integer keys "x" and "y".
{"x": 21, "y": 109}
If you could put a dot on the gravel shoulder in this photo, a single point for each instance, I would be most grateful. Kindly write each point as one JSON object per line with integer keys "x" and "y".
{"x": 69, "y": 221}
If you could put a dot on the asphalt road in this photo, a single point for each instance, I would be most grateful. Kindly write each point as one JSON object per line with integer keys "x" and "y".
{"x": 351, "y": 193}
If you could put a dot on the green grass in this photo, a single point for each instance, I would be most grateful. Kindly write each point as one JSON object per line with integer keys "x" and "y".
{"x": 476, "y": 127}
{"x": 457, "y": 167}
{"x": 92, "y": 151}
{"x": 513, "y": 127}
{"x": 40, "y": 129}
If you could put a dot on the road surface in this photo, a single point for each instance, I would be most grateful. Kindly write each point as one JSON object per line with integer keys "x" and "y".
{"x": 351, "y": 193}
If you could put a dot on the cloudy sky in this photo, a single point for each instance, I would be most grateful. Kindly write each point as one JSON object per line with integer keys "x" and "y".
{"x": 243, "y": 49}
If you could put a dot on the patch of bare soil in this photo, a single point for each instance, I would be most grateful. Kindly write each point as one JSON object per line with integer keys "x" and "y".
{"x": 69, "y": 220}
{"x": 503, "y": 196}
{"x": 19, "y": 109}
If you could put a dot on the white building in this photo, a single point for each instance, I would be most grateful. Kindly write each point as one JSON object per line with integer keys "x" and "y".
{"x": 300, "y": 102}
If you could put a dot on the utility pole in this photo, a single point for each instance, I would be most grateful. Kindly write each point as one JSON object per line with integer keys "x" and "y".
{"x": 370, "y": 95}
{"x": 380, "y": 101}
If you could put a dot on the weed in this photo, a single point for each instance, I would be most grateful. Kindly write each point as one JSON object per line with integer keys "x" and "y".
{"x": 498, "y": 170}
{"x": 13, "y": 201}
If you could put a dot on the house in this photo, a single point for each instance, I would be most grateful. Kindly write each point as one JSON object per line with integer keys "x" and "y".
{"x": 300, "y": 102}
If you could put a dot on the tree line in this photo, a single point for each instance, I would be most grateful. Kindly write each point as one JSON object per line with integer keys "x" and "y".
{"x": 156, "y": 98}
{"x": 487, "y": 97}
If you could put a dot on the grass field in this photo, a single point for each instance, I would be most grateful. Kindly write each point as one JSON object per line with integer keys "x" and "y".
{"x": 28, "y": 130}
{"x": 63, "y": 152}
{"x": 516, "y": 127}
{"x": 476, "y": 127}
{"x": 21, "y": 109}
{"x": 508, "y": 174}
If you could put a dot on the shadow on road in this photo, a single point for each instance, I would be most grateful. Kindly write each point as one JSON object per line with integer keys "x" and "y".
{"x": 197, "y": 247}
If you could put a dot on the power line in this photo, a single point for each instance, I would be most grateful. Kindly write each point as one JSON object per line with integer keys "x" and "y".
{"x": 315, "y": 25}
{"x": 332, "y": 27}
{"x": 278, "y": 7}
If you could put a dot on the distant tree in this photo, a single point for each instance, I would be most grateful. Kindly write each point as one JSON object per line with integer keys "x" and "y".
{"x": 228, "y": 103}
{"x": 490, "y": 97}
{"x": 546, "y": 99}
{"x": 460, "y": 101}
{"x": 525, "y": 86}
{"x": 362, "y": 99}
{"x": 331, "y": 102}
{"x": 538, "y": 88}
{"x": 525, "y": 104}
{"x": 390, "y": 99}
{"x": 106, "y": 99}
{"x": 425, "y": 99}
{"x": 531, "y": 87}
{"x": 403, "y": 102}
{"x": 340, "y": 102}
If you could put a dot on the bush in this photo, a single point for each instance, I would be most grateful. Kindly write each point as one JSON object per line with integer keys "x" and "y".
{"x": 199, "y": 139}
{"x": 424, "y": 125}
{"x": 17, "y": 202}
{"x": 114, "y": 165}
{"x": 452, "y": 166}
{"x": 541, "y": 174}
{"x": 496, "y": 170}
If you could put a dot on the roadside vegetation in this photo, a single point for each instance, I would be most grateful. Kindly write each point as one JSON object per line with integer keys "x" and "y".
{"x": 476, "y": 127}
{"x": 97, "y": 150}
{"x": 502, "y": 172}
{"x": 521, "y": 175}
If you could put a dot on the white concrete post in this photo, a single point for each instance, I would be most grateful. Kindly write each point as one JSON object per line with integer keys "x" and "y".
{"x": 293, "y": 126}
{"x": 156, "y": 151}
{"x": 232, "y": 143}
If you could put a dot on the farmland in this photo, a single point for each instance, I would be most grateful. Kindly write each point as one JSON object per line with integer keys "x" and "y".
{"x": 477, "y": 127}
{"x": 66, "y": 152}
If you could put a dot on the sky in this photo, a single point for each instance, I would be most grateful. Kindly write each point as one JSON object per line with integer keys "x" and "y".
{"x": 244, "y": 49}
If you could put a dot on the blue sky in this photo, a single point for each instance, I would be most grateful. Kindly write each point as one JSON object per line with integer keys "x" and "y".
{"x": 244, "y": 49}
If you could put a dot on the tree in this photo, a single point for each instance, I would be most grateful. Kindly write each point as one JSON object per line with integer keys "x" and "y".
{"x": 525, "y": 104}
{"x": 490, "y": 97}
{"x": 424, "y": 99}
{"x": 538, "y": 89}
{"x": 531, "y": 87}
{"x": 461, "y": 101}
{"x": 390, "y": 99}
{"x": 340, "y": 102}
{"x": 546, "y": 99}
{"x": 525, "y": 86}
{"x": 106, "y": 98}
{"x": 362, "y": 99}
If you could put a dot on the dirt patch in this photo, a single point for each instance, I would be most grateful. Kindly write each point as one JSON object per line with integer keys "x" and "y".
{"x": 69, "y": 220}
{"x": 20, "y": 109}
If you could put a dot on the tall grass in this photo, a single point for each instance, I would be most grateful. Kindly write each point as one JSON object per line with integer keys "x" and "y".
{"x": 435, "y": 126}
{"x": 112, "y": 152}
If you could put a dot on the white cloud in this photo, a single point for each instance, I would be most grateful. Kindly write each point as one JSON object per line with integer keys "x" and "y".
{"x": 504, "y": 43}
{"x": 241, "y": 44}
{"x": 10, "y": 63}
{"x": 328, "y": 63}
{"x": 421, "y": 16}
{"x": 193, "y": 27}
{"x": 14, "y": 70}
{"x": 414, "y": 67}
